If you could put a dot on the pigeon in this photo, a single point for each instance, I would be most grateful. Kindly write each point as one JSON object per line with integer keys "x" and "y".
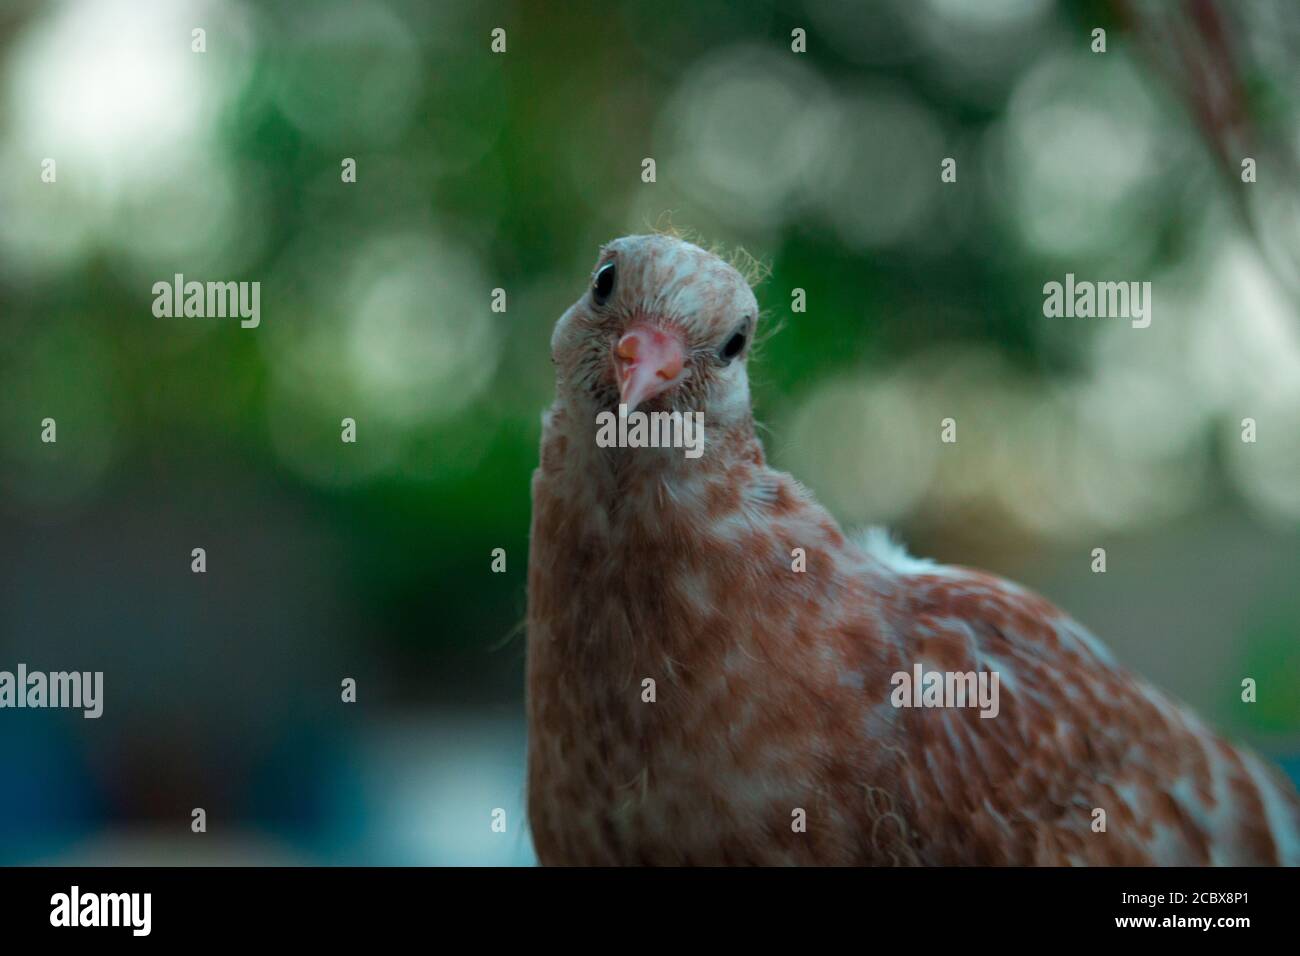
{"x": 717, "y": 674}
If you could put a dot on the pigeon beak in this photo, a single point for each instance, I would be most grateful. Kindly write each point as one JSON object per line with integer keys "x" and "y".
{"x": 648, "y": 361}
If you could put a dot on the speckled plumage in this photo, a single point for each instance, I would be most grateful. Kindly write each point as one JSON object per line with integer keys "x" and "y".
{"x": 773, "y": 686}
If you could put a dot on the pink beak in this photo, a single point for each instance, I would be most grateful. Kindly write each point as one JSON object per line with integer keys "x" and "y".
{"x": 649, "y": 361}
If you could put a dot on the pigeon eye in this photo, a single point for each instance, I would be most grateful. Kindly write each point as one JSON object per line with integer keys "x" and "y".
{"x": 733, "y": 346}
{"x": 603, "y": 287}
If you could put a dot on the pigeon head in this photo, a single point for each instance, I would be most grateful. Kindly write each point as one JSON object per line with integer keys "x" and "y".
{"x": 662, "y": 325}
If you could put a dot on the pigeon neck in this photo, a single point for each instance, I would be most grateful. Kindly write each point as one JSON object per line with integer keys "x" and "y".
{"x": 621, "y": 472}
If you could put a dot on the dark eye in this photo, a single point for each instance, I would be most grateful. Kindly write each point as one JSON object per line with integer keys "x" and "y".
{"x": 733, "y": 347}
{"x": 603, "y": 287}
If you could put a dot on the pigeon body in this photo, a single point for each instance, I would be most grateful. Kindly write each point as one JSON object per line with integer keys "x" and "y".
{"x": 695, "y": 698}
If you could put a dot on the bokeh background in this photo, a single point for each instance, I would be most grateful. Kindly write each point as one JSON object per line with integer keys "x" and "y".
{"x": 479, "y": 171}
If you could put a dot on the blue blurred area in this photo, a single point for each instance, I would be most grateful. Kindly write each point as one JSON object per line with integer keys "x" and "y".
{"x": 48, "y": 797}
